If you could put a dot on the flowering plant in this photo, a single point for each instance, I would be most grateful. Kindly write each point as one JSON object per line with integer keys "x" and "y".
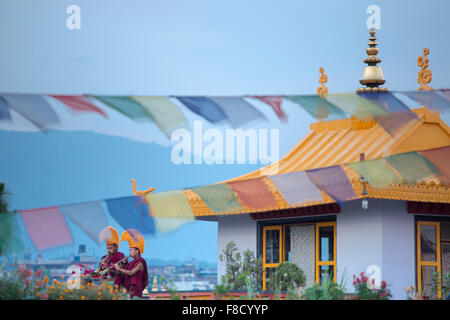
{"x": 22, "y": 284}
{"x": 414, "y": 294}
{"x": 364, "y": 291}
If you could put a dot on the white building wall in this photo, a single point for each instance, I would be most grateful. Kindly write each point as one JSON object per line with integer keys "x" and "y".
{"x": 358, "y": 240}
{"x": 238, "y": 228}
{"x": 398, "y": 248}
{"x": 381, "y": 236}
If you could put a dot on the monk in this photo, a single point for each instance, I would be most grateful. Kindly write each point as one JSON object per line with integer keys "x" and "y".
{"x": 113, "y": 256}
{"x": 134, "y": 275}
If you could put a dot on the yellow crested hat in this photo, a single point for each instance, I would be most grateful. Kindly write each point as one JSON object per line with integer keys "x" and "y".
{"x": 134, "y": 238}
{"x": 110, "y": 235}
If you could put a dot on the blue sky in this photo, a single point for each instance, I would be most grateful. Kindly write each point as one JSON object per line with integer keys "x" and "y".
{"x": 184, "y": 48}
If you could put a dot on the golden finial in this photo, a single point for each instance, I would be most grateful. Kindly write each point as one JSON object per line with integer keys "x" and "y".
{"x": 323, "y": 89}
{"x": 140, "y": 193}
{"x": 424, "y": 75}
{"x": 322, "y": 109}
{"x": 372, "y": 76}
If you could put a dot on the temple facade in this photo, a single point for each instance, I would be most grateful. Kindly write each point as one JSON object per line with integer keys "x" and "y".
{"x": 399, "y": 233}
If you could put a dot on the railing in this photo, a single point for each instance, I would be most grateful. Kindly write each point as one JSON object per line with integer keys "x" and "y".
{"x": 209, "y": 295}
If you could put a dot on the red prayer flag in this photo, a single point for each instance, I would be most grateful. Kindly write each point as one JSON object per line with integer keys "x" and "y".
{"x": 440, "y": 158}
{"x": 253, "y": 194}
{"x": 46, "y": 227}
{"x": 275, "y": 103}
{"x": 79, "y": 104}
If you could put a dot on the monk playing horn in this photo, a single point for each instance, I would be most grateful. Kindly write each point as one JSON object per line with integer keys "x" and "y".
{"x": 113, "y": 256}
{"x": 134, "y": 275}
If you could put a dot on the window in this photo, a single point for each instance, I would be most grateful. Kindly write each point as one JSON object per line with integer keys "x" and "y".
{"x": 433, "y": 253}
{"x": 272, "y": 251}
{"x": 312, "y": 246}
{"x": 325, "y": 251}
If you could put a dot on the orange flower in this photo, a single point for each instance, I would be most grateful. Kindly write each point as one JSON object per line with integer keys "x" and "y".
{"x": 83, "y": 297}
{"x": 45, "y": 279}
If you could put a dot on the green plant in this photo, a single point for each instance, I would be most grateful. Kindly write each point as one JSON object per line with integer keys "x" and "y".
{"x": 287, "y": 276}
{"x": 442, "y": 285}
{"x": 326, "y": 290}
{"x": 364, "y": 292}
{"x": 223, "y": 288}
{"x": 170, "y": 288}
{"x": 3, "y": 196}
{"x": 237, "y": 271}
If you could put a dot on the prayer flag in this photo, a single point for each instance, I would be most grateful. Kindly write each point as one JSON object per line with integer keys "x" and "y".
{"x": 412, "y": 166}
{"x": 398, "y": 113}
{"x": 170, "y": 209}
{"x": 205, "y": 108}
{"x": 334, "y": 182}
{"x": 131, "y": 213}
{"x": 376, "y": 171}
{"x": 356, "y": 106}
{"x": 275, "y": 102}
{"x": 318, "y": 107}
{"x": 218, "y": 197}
{"x": 440, "y": 157}
{"x": 79, "y": 104}
{"x": 34, "y": 108}
{"x": 164, "y": 112}
{"x": 253, "y": 193}
{"x": 4, "y": 111}
{"x": 46, "y": 227}
{"x": 88, "y": 216}
{"x": 237, "y": 110}
{"x": 130, "y": 108}
{"x": 296, "y": 187}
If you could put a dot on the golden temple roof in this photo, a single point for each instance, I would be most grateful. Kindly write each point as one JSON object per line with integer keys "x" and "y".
{"x": 339, "y": 142}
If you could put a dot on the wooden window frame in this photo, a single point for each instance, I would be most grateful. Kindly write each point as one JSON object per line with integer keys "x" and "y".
{"x": 325, "y": 263}
{"x": 280, "y": 253}
{"x": 281, "y": 227}
{"x": 420, "y": 263}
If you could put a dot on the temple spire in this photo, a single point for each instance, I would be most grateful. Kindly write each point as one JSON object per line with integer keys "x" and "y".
{"x": 372, "y": 76}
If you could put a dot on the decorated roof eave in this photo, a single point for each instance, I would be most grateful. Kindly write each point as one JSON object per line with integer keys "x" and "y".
{"x": 419, "y": 192}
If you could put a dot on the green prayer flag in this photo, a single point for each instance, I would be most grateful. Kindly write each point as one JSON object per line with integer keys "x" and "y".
{"x": 318, "y": 107}
{"x": 412, "y": 166}
{"x": 218, "y": 197}
{"x": 126, "y": 106}
{"x": 356, "y": 105}
{"x": 377, "y": 172}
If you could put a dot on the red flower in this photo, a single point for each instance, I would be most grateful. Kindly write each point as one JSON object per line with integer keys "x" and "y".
{"x": 383, "y": 284}
{"x": 39, "y": 273}
{"x": 40, "y": 283}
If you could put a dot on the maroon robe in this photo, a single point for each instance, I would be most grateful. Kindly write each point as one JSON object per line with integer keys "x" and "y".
{"x": 107, "y": 262}
{"x": 136, "y": 283}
